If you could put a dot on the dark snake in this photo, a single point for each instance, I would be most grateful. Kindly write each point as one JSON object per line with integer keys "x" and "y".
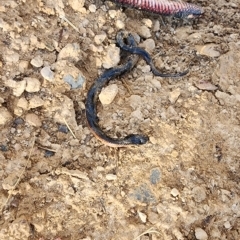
{"x": 97, "y": 86}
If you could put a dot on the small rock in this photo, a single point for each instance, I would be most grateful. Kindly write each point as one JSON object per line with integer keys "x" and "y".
{"x": 47, "y": 73}
{"x": 120, "y": 24}
{"x": 108, "y": 94}
{"x": 112, "y": 57}
{"x": 199, "y": 194}
{"x": 155, "y": 176}
{"x": 174, "y": 192}
{"x": 12, "y": 57}
{"x": 33, "y": 119}
{"x": 147, "y": 22}
{"x": 37, "y": 61}
{"x": 22, "y": 103}
{"x": 76, "y": 4}
{"x": 17, "y": 87}
{"x": 33, "y": 84}
{"x": 227, "y": 225}
{"x": 92, "y": 8}
{"x": 78, "y": 83}
{"x": 112, "y": 13}
{"x": 111, "y": 177}
{"x": 35, "y": 102}
{"x": 144, "y": 32}
{"x": 208, "y": 50}
{"x": 5, "y": 116}
{"x": 98, "y": 39}
{"x": 156, "y": 83}
{"x": 135, "y": 101}
{"x": 173, "y": 96}
{"x": 205, "y": 85}
{"x": 200, "y": 234}
{"x": 71, "y": 50}
{"x": 142, "y": 216}
{"x": 148, "y": 45}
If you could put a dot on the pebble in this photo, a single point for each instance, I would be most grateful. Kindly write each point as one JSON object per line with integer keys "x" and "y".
{"x": 112, "y": 57}
{"x": 37, "y": 61}
{"x": 17, "y": 87}
{"x": 200, "y": 234}
{"x": 22, "y": 103}
{"x": 78, "y": 83}
{"x": 98, "y": 39}
{"x": 112, "y": 13}
{"x": 12, "y": 57}
{"x": 199, "y": 194}
{"x": 35, "y": 102}
{"x": 33, "y": 84}
{"x": 137, "y": 114}
{"x": 142, "y": 216}
{"x": 148, "y": 45}
{"x": 47, "y": 73}
{"x": 227, "y": 225}
{"x": 174, "y": 192}
{"x": 173, "y": 96}
{"x": 76, "y": 4}
{"x": 5, "y": 116}
{"x": 33, "y": 119}
{"x": 155, "y": 176}
{"x": 147, "y": 22}
{"x": 208, "y": 50}
{"x": 108, "y": 94}
{"x": 144, "y": 32}
{"x": 111, "y": 177}
{"x": 135, "y": 101}
{"x": 120, "y": 24}
{"x": 71, "y": 50}
{"x": 92, "y": 8}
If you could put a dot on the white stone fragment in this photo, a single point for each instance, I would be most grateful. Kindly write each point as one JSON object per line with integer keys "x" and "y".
{"x": 98, "y": 39}
{"x": 148, "y": 45}
{"x": 12, "y": 57}
{"x": 112, "y": 13}
{"x": 200, "y": 234}
{"x": 147, "y": 22}
{"x": 76, "y": 4}
{"x": 208, "y": 50}
{"x": 17, "y": 87}
{"x": 144, "y": 32}
{"x": 142, "y": 216}
{"x": 37, "y": 61}
{"x": 108, "y": 94}
{"x": 5, "y": 116}
{"x": 92, "y": 8}
{"x": 33, "y": 119}
{"x": 35, "y": 102}
{"x": 227, "y": 225}
{"x": 173, "y": 96}
{"x": 33, "y": 84}
{"x": 199, "y": 194}
{"x": 71, "y": 50}
{"x": 112, "y": 57}
{"x": 120, "y": 24}
{"x": 174, "y": 192}
{"x": 22, "y": 103}
{"x": 111, "y": 177}
{"x": 47, "y": 73}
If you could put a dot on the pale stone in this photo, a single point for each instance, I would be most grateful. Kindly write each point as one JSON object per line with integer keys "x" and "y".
{"x": 92, "y": 8}
{"x": 120, "y": 24}
{"x": 208, "y": 50}
{"x": 17, "y": 87}
{"x": 33, "y": 119}
{"x": 144, "y": 32}
{"x": 111, "y": 177}
{"x": 35, "y": 102}
{"x": 98, "y": 39}
{"x": 227, "y": 225}
{"x": 37, "y": 61}
{"x": 174, "y": 192}
{"x": 199, "y": 194}
{"x": 173, "y": 96}
{"x": 47, "y": 73}
{"x": 147, "y": 22}
{"x": 112, "y": 13}
{"x": 71, "y": 50}
{"x": 76, "y": 4}
{"x": 33, "y": 84}
{"x": 112, "y": 57}
{"x": 148, "y": 45}
{"x": 22, "y": 103}
{"x": 142, "y": 216}
{"x": 200, "y": 234}
{"x": 5, "y": 116}
{"x": 108, "y": 94}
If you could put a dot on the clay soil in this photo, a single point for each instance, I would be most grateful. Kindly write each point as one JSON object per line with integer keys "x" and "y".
{"x": 57, "y": 181}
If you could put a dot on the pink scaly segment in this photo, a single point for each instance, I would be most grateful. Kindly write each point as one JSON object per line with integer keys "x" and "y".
{"x": 178, "y": 9}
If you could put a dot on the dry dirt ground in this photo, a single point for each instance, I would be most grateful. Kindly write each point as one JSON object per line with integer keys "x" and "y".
{"x": 54, "y": 184}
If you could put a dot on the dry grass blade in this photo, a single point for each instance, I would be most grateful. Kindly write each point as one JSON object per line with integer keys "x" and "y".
{"x": 149, "y": 231}
{"x": 69, "y": 128}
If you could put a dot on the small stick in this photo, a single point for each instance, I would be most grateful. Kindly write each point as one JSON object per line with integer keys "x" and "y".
{"x": 69, "y": 128}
